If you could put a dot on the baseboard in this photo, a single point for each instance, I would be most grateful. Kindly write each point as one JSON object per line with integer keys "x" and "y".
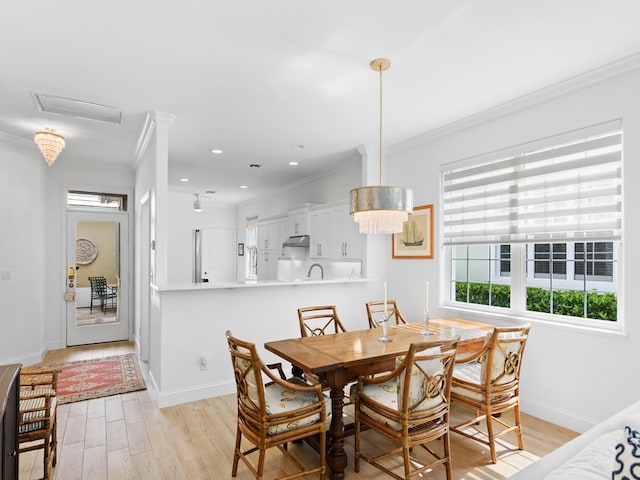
{"x": 26, "y": 359}
{"x": 556, "y": 416}
{"x": 184, "y": 395}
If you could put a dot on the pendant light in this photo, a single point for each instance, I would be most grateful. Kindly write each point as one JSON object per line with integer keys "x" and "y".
{"x": 379, "y": 208}
{"x": 50, "y": 144}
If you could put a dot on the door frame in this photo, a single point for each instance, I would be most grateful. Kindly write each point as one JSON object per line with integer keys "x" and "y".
{"x": 128, "y": 286}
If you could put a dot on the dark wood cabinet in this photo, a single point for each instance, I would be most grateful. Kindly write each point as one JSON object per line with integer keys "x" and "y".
{"x": 9, "y": 391}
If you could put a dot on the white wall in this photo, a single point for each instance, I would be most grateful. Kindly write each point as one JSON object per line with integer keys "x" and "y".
{"x": 182, "y": 221}
{"x": 69, "y": 172}
{"x": 22, "y": 250}
{"x": 570, "y": 376}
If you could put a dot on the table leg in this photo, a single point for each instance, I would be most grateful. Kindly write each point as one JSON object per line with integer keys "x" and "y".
{"x": 336, "y": 456}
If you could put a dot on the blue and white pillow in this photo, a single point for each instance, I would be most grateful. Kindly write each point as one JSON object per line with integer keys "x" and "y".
{"x": 627, "y": 456}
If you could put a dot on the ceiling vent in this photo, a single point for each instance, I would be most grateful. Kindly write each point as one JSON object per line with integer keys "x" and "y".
{"x": 78, "y": 108}
{"x": 255, "y": 165}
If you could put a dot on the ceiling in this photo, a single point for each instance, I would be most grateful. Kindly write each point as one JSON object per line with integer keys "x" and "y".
{"x": 256, "y": 78}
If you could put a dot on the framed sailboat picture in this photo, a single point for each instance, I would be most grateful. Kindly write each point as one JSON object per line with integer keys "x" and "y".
{"x": 416, "y": 238}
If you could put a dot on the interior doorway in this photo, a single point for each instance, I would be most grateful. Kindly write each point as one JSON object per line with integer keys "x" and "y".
{"x": 97, "y": 277}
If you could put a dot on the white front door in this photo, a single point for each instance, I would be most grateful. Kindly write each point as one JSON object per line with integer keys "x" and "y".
{"x": 97, "y": 247}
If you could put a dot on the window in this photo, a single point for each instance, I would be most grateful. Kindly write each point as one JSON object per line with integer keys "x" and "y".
{"x": 536, "y": 229}
{"x": 251, "y": 247}
{"x": 550, "y": 259}
{"x": 97, "y": 201}
{"x": 596, "y": 258}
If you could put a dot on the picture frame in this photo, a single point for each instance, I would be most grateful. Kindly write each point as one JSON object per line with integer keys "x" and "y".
{"x": 241, "y": 249}
{"x": 416, "y": 238}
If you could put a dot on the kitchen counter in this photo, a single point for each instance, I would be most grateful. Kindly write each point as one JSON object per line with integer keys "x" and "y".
{"x": 250, "y": 284}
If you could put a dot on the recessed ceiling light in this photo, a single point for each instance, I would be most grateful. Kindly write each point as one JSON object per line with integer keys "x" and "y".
{"x": 293, "y": 164}
{"x": 184, "y": 179}
{"x": 217, "y": 151}
{"x": 243, "y": 186}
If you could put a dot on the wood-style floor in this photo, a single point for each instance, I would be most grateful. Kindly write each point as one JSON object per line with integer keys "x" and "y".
{"x": 128, "y": 437}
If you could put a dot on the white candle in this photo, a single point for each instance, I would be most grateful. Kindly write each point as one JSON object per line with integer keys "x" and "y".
{"x": 426, "y": 296}
{"x": 385, "y": 299}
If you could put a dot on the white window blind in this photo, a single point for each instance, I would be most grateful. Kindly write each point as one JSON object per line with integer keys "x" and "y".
{"x": 562, "y": 188}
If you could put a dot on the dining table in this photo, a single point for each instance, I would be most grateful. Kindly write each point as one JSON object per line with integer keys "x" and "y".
{"x": 340, "y": 358}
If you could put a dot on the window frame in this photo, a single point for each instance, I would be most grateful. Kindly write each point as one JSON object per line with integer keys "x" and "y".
{"x": 517, "y": 275}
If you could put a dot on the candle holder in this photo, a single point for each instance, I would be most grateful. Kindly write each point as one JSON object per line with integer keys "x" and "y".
{"x": 426, "y": 323}
{"x": 384, "y": 323}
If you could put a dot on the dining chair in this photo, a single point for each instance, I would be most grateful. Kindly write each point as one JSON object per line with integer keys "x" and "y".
{"x": 409, "y": 406}
{"x": 488, "y": 382}
{"x": 37, "y": 414}
{"x": 319, "y": 320}
{"x": 274, "y": 413}
{"x": 375, "y": 312}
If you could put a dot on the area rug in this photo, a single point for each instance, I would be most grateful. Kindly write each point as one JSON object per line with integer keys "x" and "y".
{"x": 103, "y": 377}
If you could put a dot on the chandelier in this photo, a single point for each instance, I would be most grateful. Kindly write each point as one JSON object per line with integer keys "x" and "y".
{"x": 50, "y": 144}
{"x": 379, "y": 208}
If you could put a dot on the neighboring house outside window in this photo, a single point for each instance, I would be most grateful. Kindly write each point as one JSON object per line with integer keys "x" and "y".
{"x": 522, "y": 227}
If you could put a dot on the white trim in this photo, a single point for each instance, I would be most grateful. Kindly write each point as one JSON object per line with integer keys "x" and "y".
{"x": 612, "y": 70}
{"x": 192, "y": 394}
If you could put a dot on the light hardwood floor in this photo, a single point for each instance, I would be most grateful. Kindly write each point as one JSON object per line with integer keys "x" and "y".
{"x": 127, "y": 437}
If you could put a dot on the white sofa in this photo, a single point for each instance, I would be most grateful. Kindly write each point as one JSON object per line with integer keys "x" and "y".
{"x": 590, "y": 456}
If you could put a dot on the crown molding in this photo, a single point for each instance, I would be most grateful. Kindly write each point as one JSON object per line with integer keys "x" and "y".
{"x": 624, "y": 66}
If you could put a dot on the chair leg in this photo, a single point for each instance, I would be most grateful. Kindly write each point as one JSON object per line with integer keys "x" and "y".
{"x": 446, "y": 444}
{"x": 516, "y": 414}
{"x": 356, "y": 441}
{"x": 261, "y": 457}
{"x": 492, "y": 440}
{"x": 407, "y": 462}
{"x": 46, "y": 461}
{"x": 236, "y": 453}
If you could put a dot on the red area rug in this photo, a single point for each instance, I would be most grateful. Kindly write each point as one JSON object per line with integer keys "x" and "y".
{"x": 87, "y": 379}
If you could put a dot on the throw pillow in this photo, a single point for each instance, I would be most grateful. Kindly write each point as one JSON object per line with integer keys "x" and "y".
{"x": 627, "y": 456}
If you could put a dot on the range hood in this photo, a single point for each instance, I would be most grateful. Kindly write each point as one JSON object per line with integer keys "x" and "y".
{"x": 297, "y": 241}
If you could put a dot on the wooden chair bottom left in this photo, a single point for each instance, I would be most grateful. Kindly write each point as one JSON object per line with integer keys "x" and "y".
{"x": 273, "y": 414}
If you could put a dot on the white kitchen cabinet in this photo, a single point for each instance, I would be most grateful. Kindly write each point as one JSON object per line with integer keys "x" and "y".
{"x": 333, "y": 233}
{"x": 272, "y": 233}
{"x": 267, "y": 265}
{"x": 298, "y": 222}
{"x": 347, "y": 240}
{"x": 320, "y": 231}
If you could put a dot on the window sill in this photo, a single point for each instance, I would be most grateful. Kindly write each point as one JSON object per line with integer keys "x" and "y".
{"x": 553, "y": 322}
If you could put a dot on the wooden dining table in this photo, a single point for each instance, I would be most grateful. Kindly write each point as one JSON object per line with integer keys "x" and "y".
{"x": 340, "y": 358}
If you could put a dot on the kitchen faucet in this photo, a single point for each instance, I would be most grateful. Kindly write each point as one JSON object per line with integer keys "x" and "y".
{"x": 321, "y": 270}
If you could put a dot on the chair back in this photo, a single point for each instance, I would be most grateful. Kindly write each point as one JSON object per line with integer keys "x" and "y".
{"x": 247, "y": 369}
{"x": 320, "y": 320}
{"x": 502, "y": 361}
{"x": 375, "y": 312}
{"x": 98, "y": 286}
{"x": 425, "y": 378}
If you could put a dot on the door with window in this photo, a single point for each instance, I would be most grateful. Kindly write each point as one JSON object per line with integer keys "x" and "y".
{"x": 97, "y": 277}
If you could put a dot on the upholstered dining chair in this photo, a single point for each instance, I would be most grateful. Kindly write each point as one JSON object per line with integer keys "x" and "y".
{"x": 409, "y": 406}
{"x": 375, "y": 312}
{"x": 315, "y": 321}
{"x": 274, "y": 413}
{"x": 488, "y": 382}
{"x": 37, "y": 414}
